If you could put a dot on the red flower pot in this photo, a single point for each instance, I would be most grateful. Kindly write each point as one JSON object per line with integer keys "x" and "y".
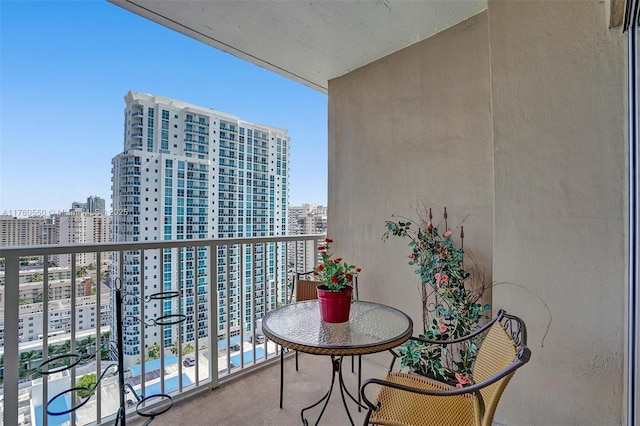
{"x": 334, "y": 305}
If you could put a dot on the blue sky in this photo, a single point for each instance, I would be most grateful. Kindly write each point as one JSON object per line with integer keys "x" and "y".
{"x": 65, "y": 67}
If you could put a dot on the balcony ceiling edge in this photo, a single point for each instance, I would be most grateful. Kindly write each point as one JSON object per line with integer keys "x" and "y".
{"x": 309, "y": 42}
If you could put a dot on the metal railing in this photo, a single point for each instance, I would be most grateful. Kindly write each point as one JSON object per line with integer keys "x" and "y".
{"x": 220, "y": 289}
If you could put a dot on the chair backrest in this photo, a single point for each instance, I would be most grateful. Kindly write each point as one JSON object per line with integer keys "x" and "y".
{"x": 503, "y": 346}
{"x": 305, "y": 288}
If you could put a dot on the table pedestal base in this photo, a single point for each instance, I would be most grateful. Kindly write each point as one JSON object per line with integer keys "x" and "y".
{"x": 336, "y": 362}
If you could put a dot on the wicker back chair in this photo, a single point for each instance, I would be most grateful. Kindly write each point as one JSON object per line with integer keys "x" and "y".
{"x": 305, "y": 289}
{"x": 411, "y": 399}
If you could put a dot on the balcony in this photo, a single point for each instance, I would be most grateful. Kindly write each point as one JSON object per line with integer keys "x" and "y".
{"x": 51, "y": 336}
{"x": 514, "y": 112}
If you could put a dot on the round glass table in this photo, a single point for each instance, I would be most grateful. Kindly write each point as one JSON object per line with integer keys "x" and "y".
{"x": 372, "y": 327}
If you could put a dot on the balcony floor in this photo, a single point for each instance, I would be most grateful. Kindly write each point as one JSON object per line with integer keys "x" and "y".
{"x": 252, "y": 399}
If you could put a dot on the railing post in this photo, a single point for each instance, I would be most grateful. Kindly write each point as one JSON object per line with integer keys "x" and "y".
{"x": 11, "y": 357}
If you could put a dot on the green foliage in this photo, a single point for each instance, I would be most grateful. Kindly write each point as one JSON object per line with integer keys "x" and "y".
{"x": 451, "y": 307}
{"x": 154, "y": 351}
{"x": 334, "y": 273}
{"x": 188, "y": 349}
{"x": 88, "y": 382}
{"x": 36, "y": 277}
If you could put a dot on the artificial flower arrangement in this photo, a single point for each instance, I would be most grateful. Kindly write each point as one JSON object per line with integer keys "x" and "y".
{"x": 334, "y": 273}
{"x": 450, "y": 298}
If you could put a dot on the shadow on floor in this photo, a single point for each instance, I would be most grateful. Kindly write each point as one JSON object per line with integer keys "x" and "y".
{"x": 253, "y": 398}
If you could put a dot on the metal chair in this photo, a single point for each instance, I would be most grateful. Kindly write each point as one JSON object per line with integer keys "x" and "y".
{"x": 305, "y": 289}
{"x": 411, "y": 399}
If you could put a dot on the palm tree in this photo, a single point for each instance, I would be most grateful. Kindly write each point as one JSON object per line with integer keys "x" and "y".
{"x": 87, "y": 381}
{"x": 175, "y": 348}
{"x": 188, "y": 348}
{"x": 154, "y": 351}
{"x": 26, "y": 367}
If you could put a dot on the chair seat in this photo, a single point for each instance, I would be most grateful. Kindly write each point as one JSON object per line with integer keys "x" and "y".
{"x": 402, "y": 408}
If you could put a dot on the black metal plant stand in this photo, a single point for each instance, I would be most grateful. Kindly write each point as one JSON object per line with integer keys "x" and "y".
{"x": 147, "y": 406}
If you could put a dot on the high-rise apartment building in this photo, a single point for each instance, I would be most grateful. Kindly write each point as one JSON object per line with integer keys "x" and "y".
{"x": 82, "y": 227}
{"x": 94, "y": 204}
{"x": 23, "y": 231}
{"x": 193, "y": 173}
{"x": 305, "y": 220}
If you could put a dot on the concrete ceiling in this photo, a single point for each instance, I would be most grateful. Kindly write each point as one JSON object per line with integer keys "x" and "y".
{"x": 309, "y": 41}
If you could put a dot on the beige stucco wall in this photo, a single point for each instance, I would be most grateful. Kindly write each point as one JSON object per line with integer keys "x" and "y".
{"x": 558, "y": 79}
{"x": 413, "y": 127}
{"x": 517, "y": 118}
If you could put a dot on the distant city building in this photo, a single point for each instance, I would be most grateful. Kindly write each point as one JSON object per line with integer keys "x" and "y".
{"x": 189, "y": 173}
{"x": 31, "y": 319}
{"x": 23, "y": 231}
{"x": 35, "y": 274}
{"x": 306, "y": 219}
{"x": 94, "y": 204}
{"x": 82, "y": 227}
{"x": 49, "y": 232}
{"x": 31, "y": 292}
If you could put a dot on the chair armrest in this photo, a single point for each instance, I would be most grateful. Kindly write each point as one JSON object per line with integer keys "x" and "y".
{"x": 522, "y": 359}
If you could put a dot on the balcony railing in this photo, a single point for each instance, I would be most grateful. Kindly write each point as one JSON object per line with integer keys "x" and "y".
{"x": 220, "y": 335}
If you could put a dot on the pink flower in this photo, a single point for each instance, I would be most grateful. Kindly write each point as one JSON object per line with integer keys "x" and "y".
{"x": 458, "y": 385}
{"x": 443, "y": 328}
{"x": 462, "y": 380}
{"x": 447, "y": 234}
{"x": 445, "y": 278}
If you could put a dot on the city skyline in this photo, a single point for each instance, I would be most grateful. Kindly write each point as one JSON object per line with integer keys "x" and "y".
{"x": 66, "y": 67}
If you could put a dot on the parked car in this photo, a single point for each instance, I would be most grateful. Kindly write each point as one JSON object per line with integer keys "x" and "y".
{"x": 189, "y": 362}
{"x": 235, "y": 347}
{"x": 259, "y": 338}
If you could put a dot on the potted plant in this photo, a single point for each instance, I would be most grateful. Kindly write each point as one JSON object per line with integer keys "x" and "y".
{"x": 334, "y": 294}
{"x": 450, "y": 299}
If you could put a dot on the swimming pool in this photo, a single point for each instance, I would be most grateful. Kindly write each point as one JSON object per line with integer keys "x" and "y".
{"x": 247, "y": 356}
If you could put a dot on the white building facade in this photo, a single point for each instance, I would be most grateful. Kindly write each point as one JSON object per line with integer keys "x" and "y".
{"x": 16, "y": 231}
{"x": 193, "y": 173}
{"x": 304, "y": 220}
{"x": 81, "y": 227}
{"x": 31, "y": 321}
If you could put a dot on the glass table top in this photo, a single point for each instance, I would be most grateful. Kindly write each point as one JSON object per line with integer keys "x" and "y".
{"x": 372, "y": 327}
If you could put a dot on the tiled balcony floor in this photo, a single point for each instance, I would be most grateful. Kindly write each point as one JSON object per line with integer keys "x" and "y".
{"x": 253, "y": 399}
